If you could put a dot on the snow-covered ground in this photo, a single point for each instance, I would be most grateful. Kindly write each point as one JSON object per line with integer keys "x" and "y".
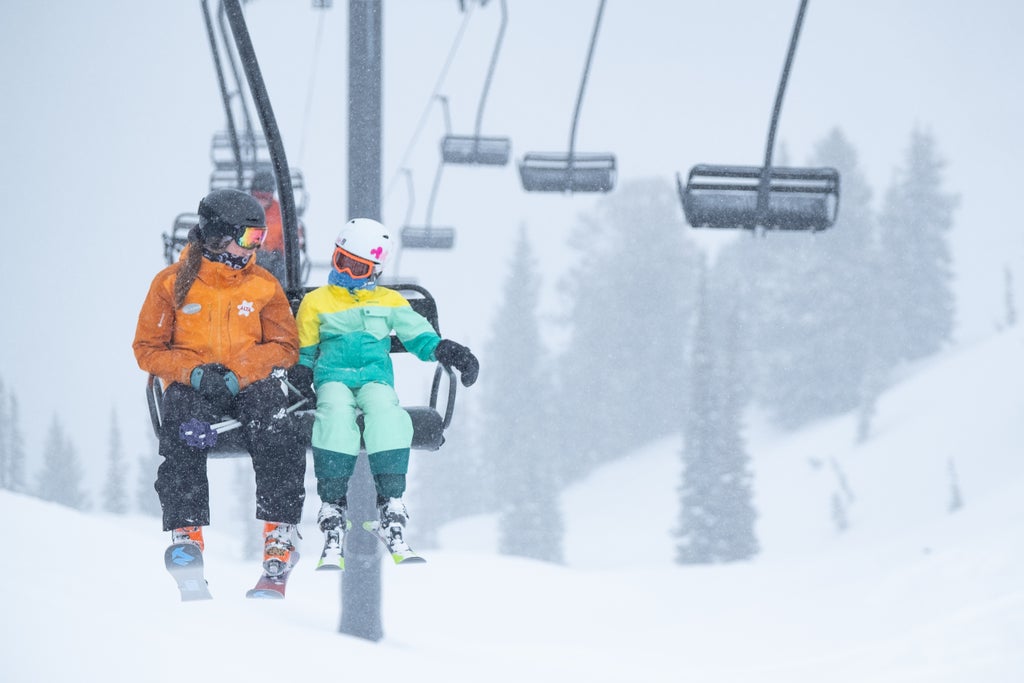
{"x": 910, "y": 591}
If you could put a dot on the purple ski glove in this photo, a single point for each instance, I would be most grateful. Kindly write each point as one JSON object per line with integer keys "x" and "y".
{"x": 198, "y": 434}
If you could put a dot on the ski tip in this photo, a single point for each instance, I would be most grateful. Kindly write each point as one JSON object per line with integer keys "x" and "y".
{"x": 408, "y": 559}
{"x": 192, "y": 597}
{"x": 331, "y": 567}
{"x": 264, "y": 594}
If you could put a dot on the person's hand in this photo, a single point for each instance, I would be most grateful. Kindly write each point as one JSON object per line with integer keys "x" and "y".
{"x": 459, "y": 357}
{"x": 301, "y": 378}
{"x": 216, "y": 384}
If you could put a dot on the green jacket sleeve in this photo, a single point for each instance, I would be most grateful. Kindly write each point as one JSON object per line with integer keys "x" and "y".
{"x": 415, "y": 332}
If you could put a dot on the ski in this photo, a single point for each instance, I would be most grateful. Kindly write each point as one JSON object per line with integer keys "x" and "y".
{"x": 184, "y": 561}
{"x": 332, "y": 557}
{"x": 273, "y": 587}
{"x": 396, "y": 546}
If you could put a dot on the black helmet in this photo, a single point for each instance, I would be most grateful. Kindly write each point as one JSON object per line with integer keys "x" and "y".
{"x": 226, "y": 213}
{"x": 263, "y": 181}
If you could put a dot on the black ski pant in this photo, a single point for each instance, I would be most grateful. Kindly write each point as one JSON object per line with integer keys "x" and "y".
{"x": 274, "y": 443}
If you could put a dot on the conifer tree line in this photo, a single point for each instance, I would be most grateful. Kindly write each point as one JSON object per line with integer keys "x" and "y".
{"x": 663, "y": 340}
{"x": 60, "y": 476}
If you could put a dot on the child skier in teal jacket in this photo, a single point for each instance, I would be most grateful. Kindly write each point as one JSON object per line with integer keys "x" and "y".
{"x": 344, "y": 351}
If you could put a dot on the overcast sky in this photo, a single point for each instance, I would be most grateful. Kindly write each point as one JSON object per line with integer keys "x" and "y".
{"x": 108, "y": 109}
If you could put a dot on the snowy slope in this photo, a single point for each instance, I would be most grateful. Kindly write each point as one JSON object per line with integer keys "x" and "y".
{"x": 909, "y": 592}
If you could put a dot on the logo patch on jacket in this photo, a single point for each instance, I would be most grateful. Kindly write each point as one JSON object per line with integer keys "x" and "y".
{"x": 246, "y": 307}
{"x": 189, "y": 309}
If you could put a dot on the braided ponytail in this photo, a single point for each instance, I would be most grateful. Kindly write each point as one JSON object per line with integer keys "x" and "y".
{"x": 189, "y": 269}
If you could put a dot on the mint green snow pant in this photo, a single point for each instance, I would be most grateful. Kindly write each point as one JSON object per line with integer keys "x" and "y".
{"x": 387, "y": 434}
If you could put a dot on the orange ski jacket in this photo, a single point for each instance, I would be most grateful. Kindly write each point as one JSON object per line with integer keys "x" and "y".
{"x": 240, "y": 318}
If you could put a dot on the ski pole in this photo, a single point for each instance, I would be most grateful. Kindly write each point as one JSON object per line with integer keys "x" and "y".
{"x": 228, "y": 425}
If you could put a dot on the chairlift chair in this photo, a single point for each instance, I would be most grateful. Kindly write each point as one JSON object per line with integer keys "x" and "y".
{"x": 728, "y": 196}
{"x": 228, "y": 179}
{"x": 429, "y": 424}
{"x": 769, "y": 197}
{"x": 428, "y": 236}
{"x": 176, "y": 240}
{"x": 476, "y": 149}
{"x": 572, "y": 172}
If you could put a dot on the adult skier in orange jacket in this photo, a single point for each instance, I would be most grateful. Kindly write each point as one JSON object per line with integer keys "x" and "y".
{"x": 213, "y": 328}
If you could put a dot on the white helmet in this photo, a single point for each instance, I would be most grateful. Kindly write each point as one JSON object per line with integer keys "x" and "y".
{"x": 366, "y": 239}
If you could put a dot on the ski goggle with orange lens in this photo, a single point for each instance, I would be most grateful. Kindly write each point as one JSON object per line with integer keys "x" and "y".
{"x": 251, "y": 237}
{"x": 357, "y": 268}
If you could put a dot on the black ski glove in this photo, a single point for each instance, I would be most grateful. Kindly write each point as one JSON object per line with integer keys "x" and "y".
{"x": 301, "y": 377}
{"x": 216, "y": 384}
{"x": 458, "y": 356}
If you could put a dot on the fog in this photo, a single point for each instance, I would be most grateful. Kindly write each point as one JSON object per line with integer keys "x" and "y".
{"x": 108, "y": 110}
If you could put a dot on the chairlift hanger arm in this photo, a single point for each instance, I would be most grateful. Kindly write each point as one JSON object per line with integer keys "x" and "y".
{"x": 490, "y": 69}
{"x": 780, "y": 93}
{"x": 583, "y": 81}
{"x": 258, "y": 88}
{"x": 239, "y": 88}
{"x": 225, "y": 95}
{"x": 766, "y": 170}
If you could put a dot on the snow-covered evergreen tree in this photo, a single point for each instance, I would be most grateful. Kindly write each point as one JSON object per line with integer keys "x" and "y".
{"x": 60, "y": 480}
{"x": 115, "y": 494}
{"x": 918, "y": 273}
{"x": 453, "y": 482}
{"x": 518, "y": 419}
{"x": 716, "y": 512}
{"x": 5, "y": 439}
{"x": 1009, "y": 299}
{"x": 630, "y": 301}
{"x": 15, "y": 450}
{"x": 812, "y": 304}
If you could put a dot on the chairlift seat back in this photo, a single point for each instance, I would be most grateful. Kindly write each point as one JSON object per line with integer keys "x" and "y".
{"x": 582, "y": 172}
{"x": 178, "y": 237}
{"x": 428, "y": 237}
{"x": 227, "y": 179}
{"x": 727, "y": 197}
{"x": 468, "y": 149}
{"x": 252, "y": 147}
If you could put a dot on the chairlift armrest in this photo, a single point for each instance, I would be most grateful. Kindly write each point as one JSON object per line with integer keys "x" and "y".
{"x": 435, "y": 390}
{"x": 154, "y": 394}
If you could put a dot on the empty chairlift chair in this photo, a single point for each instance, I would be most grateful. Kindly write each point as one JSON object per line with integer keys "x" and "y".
{"x": 767, "y": 197}
{"x": 572, "y": 172}
{"x": 427, "y": 236}
{"x": 476, "y": 149}
{"x": 745, "y": 196}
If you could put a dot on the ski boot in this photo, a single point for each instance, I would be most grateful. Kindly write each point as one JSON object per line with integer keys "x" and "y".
{"x": 333, "y": 521}
{"x": 390, "y": 529}
{"x": 189, "y": 534}
{"x": 278, "y": 548}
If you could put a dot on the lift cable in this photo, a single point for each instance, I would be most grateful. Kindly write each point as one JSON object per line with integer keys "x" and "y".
{"x": 430, "y": 102}
{"x": 312, "y": 82}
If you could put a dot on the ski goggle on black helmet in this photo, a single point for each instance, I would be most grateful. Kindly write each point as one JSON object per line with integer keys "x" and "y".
{"x": 231, "y": 215}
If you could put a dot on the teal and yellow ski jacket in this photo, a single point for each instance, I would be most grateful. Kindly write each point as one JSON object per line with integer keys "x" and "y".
{"x": 344, "y": 335}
